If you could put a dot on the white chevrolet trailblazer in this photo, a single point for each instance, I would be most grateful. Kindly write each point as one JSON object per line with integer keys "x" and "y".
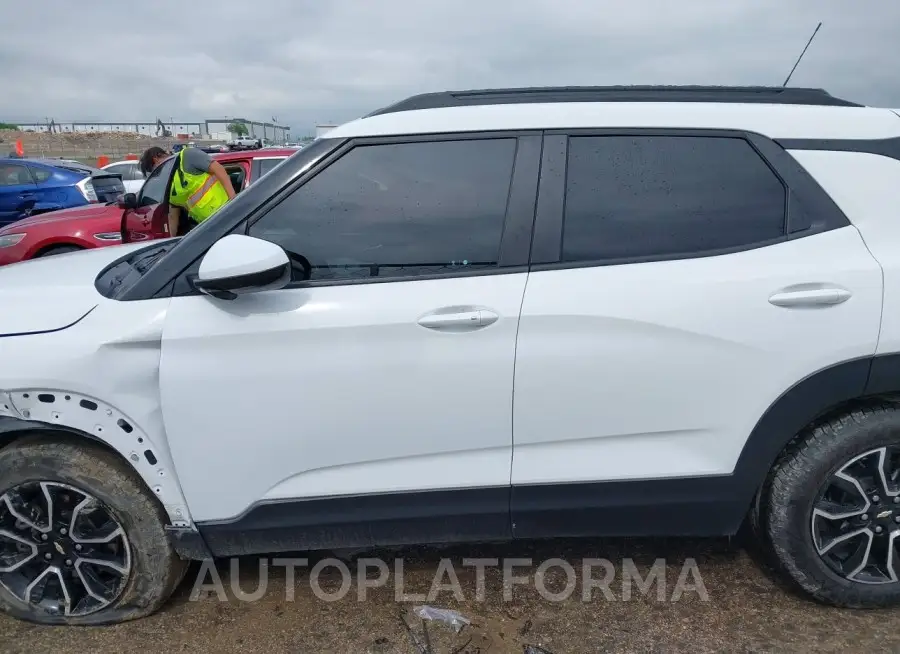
{"x": 476, "y": 316}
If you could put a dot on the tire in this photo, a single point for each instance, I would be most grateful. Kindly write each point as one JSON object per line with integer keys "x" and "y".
{"x": 154, "y": 570}
{"x": 818, "y": 461}
{"x": 59, "y": 249}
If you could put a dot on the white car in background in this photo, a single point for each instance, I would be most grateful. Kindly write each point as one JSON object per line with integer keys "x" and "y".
{"x": 131, "y": 174}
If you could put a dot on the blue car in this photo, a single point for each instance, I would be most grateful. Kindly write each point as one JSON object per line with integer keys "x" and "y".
{"x": 33, "y": 186}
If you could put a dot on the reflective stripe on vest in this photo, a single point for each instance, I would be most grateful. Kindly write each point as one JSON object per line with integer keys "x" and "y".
{"x": 201, "y": 194}
{"x": 197, "y": 195}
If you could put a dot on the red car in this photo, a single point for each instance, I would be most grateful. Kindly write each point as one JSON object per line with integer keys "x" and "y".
{"x": 141, "y": 217}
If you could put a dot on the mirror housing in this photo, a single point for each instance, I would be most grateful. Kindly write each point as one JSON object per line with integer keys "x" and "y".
{"x": 238, "y": 264}
{"x": 128, "y": 201}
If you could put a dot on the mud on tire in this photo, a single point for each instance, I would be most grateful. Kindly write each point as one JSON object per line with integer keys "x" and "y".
{"x": 783, "y": 518}
{"x": 155, "y": 569}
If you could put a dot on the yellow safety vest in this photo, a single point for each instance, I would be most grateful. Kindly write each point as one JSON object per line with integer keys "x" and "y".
{"x": 202, "y": 195}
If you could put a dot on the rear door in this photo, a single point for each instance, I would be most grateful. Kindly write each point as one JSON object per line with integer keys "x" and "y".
{"x": 17, "y": 192}
{"x": 679, "y": 286}
{"x": 48, "y": 196}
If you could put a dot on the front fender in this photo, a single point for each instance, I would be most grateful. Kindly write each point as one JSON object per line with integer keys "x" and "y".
{"x": 48, "y": 410}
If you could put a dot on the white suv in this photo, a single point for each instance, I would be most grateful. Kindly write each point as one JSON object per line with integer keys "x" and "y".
{"x": 474, "y": 316}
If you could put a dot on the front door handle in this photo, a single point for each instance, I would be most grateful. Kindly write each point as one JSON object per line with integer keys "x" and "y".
{"x": 459, "y": 320}
{"x": 810, "y": 297}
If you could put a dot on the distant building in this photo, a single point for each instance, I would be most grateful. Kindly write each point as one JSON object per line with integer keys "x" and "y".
{"x": 147, "y": 129}
{"x": 210, "y": 129}
{"x": 217, "y": 129}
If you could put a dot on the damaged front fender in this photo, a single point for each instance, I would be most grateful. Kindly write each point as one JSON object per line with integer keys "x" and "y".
{"x": 51, "y": 410}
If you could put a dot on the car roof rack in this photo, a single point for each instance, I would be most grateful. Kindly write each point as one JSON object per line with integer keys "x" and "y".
{"x": 724, "y": 94}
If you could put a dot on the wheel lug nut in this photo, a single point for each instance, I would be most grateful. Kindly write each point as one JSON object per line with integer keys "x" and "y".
{"x": 897, "y": 500}
{"x": 63, "y": 531}
{"x": 875, "y": 498}
{"x": 897, "y": 519}
{"x": 44, "y": 537}
{"x": 78, "y": 547}
{"x": 68, "y": 561}
{"x": 864, "y": 517}
{"x": 878, "y": 529}
{"x": 48, "y": 556}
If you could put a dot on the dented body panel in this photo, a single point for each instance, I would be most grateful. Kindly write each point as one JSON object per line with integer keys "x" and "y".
{"x": 99, "y": 377}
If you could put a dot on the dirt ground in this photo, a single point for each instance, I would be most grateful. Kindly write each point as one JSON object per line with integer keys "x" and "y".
{"x": 715, "y": 597}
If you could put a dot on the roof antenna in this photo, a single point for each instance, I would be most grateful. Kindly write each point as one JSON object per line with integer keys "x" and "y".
{"x": 801, "y": 54}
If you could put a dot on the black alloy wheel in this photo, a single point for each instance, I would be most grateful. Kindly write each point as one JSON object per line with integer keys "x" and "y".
{"x": 62, "y": 551}
{"x": 856, "y": 518}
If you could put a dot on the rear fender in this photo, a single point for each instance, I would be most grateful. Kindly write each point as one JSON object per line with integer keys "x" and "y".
{"x": 35, "y": 410}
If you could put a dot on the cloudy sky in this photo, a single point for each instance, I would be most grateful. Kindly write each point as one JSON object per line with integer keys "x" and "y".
{"x": 327, "y": 61}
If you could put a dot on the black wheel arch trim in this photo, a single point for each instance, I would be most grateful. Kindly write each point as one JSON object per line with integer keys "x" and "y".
{"x": 809, "y": 400}
{"x": 797, "y": 408}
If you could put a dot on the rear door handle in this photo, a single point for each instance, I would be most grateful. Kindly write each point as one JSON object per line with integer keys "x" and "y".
{"x": 810, "y": 297}
{"x": 459, "y": 321}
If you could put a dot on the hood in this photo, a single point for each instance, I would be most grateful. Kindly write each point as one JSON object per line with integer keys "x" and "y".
{"x": 75, "y": 213}
{"x": 53, "y": 293}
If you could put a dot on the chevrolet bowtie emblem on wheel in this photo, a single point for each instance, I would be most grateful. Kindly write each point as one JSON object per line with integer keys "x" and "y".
{"x": 59, "y": 548}
{"x": 883, "y": 514}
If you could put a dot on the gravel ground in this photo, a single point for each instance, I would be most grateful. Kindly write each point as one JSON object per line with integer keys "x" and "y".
{"x": 729, "y": 603}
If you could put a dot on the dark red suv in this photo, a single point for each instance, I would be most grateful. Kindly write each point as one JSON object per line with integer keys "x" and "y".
{"x": 141, "y": 217}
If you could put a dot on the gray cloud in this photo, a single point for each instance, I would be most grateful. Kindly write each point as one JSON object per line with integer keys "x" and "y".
{"x": 307, "y": 62}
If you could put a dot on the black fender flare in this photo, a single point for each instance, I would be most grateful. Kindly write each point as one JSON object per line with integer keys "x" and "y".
{"x": 823, "y": 392}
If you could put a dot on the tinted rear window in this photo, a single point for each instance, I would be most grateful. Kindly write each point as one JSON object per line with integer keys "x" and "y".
{"x": 657, "y": 196}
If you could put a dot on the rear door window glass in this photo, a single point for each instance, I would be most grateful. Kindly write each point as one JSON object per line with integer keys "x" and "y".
{"x": 658, "y": 196}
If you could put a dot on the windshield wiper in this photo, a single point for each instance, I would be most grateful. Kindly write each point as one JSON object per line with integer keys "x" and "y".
{"x": 144, "y": 264}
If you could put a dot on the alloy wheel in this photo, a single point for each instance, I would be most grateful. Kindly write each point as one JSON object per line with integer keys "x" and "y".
{"x": 61, "y": 550}
{"x": 856, "y": 518}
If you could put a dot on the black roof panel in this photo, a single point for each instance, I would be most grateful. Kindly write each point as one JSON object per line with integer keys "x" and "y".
{"x": 725, "y": 94}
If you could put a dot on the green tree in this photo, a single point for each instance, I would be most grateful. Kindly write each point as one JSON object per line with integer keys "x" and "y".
{"x": 8, "y": 125}
{"x": 238, "y": 129}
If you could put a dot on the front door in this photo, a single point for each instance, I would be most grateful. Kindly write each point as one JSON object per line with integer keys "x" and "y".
{"x": 385, "y": 373}
{"x": 149, "y": 220}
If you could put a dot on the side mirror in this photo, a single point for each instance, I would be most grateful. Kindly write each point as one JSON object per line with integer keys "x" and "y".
{"x": 128, "y": 201}
{"x": 238, "y": 264}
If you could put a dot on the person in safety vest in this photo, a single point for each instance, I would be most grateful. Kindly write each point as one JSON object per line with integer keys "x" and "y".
{"x": 200, "y": 186}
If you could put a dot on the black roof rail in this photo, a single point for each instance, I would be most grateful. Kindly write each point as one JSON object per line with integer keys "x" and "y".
{"x": 724, "y": 94}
